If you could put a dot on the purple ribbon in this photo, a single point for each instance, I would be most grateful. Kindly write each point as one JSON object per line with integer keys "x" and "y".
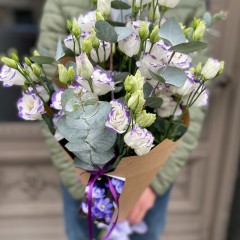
{"x": 97, "y": 174}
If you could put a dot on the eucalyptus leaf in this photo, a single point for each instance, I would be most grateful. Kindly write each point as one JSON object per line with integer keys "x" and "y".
{"x": 123, "y": 32}
{"x": 43, "y": 60}
{"x": 147, "y": 89}
{"x": 49, "y": 123}
{"x": 89, "y": 167}
{"x": 173, "y": 75}
{"x": 105, "y": 31}
{"x": 120, "y": 77}
{"x": 120, "y": 5}
{"x": 71, "y": 64}
{"x": 116, "y": 24}
{"x": 172, "y": 33}
{"x": 154, "y": 102}
{"x": 156, "y": 76}
{"x": 189, "y": 47}
{"x": 207, "y": 18}
{"x": 60, "y": 51}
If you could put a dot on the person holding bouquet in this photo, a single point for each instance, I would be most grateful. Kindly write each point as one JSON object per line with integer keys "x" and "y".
{"x": 152, "y": 205}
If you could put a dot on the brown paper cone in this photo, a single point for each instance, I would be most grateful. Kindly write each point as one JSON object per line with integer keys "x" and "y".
{"x": 139, "y": 172}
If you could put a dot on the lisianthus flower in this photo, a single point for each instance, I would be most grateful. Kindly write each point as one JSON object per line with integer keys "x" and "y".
{"x": 10, "y": 77}
{"x": 56, "y": 99}
{"x": 87, "y": 21}
{"x": 30, "y": 106}
{"x": 118, "y": 118}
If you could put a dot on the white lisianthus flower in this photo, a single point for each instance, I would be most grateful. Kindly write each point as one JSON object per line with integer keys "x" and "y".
{"x": 189, "y": 85}
{"x": 41, "y": 91}
{"x": 69, "y": 43}
{"x": 84, "y": 66}
{"x": 104, "y": 7}
{"x": 102, "y": 82}
{"x": 101, "y": 56}
{"x": 179, "y": 60}
{"x": 30, "y": 106}
{"x": 135, "y": 25}
{"x": 168, "y": 106}
{"x": 130, "y": 45}
{"x": 202, "y": 100}
{"x": 56, "y": 99}
{"x": 10, "y": 77}
{"x": 140, "y": 140}
{"x": 169, "y": 3}
{"x": 211, "y": 68}
{"x": 87, "y": 21}
{"x": 118, "y": 118}
{"x": 138, "y": 2}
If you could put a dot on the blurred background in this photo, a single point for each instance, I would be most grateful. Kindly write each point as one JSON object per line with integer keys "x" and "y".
{"x": 205, "y": 203}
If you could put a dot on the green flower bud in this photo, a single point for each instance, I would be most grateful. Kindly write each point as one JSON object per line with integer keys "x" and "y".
{"x": 27, "y": 61}
{"x": 127, "y": 96}
{"x": 199, "y": 31}
{"x": 36, "y": 53}
{"x": 151, "y": 13}
{"x": 69, "y": 25}
{"x": 136, "y": 101}
{"x": 134, "y": 83}
{"x": 87, "y": 45}
{"x": 25, "y": 88}
{"x": 143, "y": 31}
{"x": 154, "y": 37}
{"x": 71, "y": 73}
{"x": 94, "y": 39}
{"x": 36, "y": 69}
{"x": 10, "y": 62}
{"x": 26, "y": 72}
{"x": 196, "y": 22}
{"x": 192, "y": 70}
{"x": 198, "y": 69}
{"x": 99, "y": 16}
{"x": 15, "y": 57}
{"x": 145, "y": 119}
{"x": 221, "y": 69}
{"x": 76, "y": 28}
{"x": 63, "y": 74}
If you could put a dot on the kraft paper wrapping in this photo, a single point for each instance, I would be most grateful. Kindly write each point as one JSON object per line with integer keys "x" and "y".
{"x": 138, "y": 172}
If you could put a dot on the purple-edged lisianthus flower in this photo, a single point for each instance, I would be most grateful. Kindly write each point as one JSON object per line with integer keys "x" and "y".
{"x": 77, "y": 85}
{"x": 87, "y": 21}
{"x": 56, "y": 99}
{"x": 118, "y": 118}
{"x": 69, "y": 43}
{"x": 139, "y": 139}
{"x": 179, "y": 60}
{"x": 56, "y": 117}
{"x": 118, "y": 184}
{"x": 104, "y": 205}
{"x": 30, "y": 106}
{"x": 10, "y": 77}
{"x": 102, "y": 53}
{"x": 41, "y": 91}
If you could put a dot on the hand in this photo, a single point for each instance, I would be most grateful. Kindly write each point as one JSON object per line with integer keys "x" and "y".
{"x": 145, "y": 202}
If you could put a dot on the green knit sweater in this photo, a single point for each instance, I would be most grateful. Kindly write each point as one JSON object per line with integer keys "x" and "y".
{"x": 53, "y": 27}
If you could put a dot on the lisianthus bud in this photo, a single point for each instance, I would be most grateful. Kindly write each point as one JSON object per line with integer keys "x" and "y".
{"x": 143, "y": 31}
{"x": 196, "y": 22}
{"x": 130, "y": 45}
{"x": 154, "y": 37}
{"x": 104, "y": 7}
{"x": 134, "y": 83}
{"x": 99, "y": 15}
{"x": 199, "y": 31}
{"x": 84, "y": 66}
{"x": 63, "y": 74}
{"x": 153, "y": 13}
{"x": 71, "y": 73}
{"x": 36, "y": 53}
{"x": 169, "y": 3}
{"x": 36, "y": 69}
{"x": 221, "y": 69}
{"x": 69, "y": 25}
{"x": 94, "y": 39}
{"x": 140, "y": 140}
{"x": 15, "y": 57}
{"x": 76, "y": 28}
{"x": 10, "y": 62}
{"x": 138, "y": 3}
{"x": 87, "y": 45}
{"x": 198, "y": 69}
{"x": 211, "y": 69}
{"x": 136, "y": 101}
{"x": 87, "y": 21}
{"x": 27, "y": 61}
{"x": 145, "y": 119}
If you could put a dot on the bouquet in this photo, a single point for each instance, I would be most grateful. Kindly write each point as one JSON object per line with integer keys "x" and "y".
{"x": 120, "y": 95}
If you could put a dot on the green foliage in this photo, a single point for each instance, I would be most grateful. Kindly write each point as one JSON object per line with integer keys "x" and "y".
{"x": 43, "y": 60}
{"x": 154, "y": 102}
{"x": 172, "y": 33}
{"x": 170, "y": 75}
{"x": 105, "y": 31}
{"x": 119, "y": 5}
{"x": 83, "y": 126}
{"x": 60, "y": 51}
{"x": 189, "y": 47}
{"x": 147, "y": 89}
